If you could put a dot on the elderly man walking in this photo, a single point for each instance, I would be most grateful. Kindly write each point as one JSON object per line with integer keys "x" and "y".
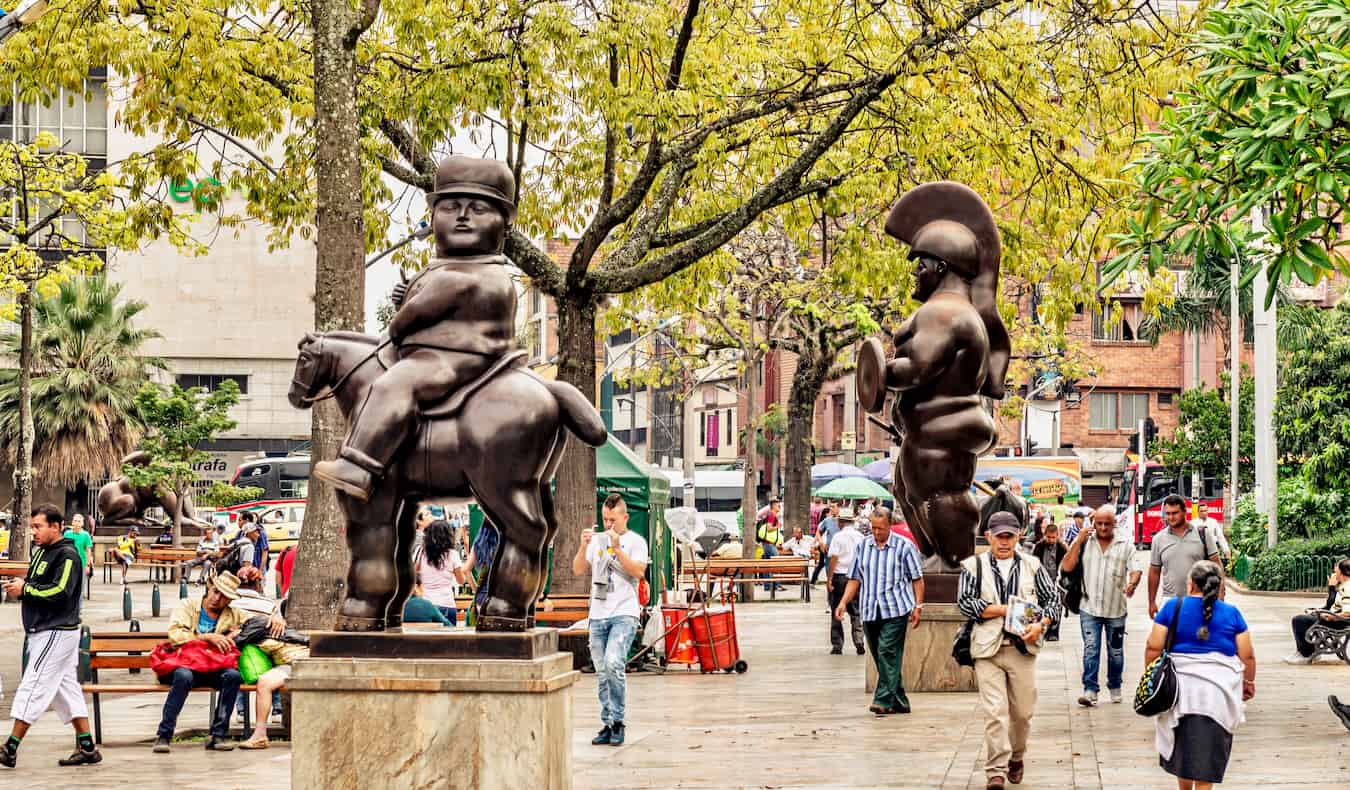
{"x": 887, "y": 573}
{"x": 1005, "y": 662}
{"x": 1107, "y": 581}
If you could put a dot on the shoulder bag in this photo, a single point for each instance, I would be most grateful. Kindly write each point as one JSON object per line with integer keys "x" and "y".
{"x": 961, "y": 645}
{"x": 1157, "y": 691}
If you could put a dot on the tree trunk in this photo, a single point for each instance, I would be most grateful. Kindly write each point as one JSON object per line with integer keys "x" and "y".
{"x": 339, "y": 299}
{"x": 749, "y": 487}
{"x": 801, "y": 416}
{"x": 575, "y": 498}
{"x": 23, "y": 461}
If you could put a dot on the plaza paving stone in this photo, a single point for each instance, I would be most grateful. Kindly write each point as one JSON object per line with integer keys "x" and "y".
{"x": 798, "y": 718}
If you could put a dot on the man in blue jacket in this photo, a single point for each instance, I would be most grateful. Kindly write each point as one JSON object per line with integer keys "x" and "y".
{"x": 50, "y": 600}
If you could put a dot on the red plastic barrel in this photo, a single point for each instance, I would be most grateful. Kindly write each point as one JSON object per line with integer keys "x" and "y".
{"x": 670, "y": 616}
{"x": 715, "y": 638}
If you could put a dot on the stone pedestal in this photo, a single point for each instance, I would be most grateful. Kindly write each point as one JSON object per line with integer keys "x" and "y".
{"x": 419, "y": 722}
{"x": 928, "y": 664}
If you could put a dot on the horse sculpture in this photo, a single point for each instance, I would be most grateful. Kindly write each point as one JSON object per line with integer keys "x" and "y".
{"x": 499, "y": 441}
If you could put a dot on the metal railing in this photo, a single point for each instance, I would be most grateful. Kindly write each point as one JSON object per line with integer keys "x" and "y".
{"x": 1284, "y": 572}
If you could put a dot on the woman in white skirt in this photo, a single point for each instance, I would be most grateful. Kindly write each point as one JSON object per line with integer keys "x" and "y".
{"x": 1216, "y": 675}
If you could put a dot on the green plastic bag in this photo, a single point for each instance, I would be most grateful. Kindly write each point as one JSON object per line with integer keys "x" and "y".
{"x": 253, "y": 662}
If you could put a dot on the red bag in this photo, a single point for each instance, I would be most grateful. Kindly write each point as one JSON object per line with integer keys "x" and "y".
{"x": 644, "y": 592}
{"x": 196, "y": 655}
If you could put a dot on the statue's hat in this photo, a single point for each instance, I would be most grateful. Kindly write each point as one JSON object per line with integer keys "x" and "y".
{"x": 485, "y": 178}
{"x": 951, "y": 222}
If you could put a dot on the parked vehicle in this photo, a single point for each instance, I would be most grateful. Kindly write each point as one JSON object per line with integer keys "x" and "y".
{"x": 285, "y": 477}
{"x": 283, "y": 523}
{"x": 717, "y": 495}
{"x": 1138, "y": 499}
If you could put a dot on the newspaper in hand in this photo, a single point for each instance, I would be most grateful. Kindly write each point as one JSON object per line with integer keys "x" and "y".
{"x": 1021, "y": 615}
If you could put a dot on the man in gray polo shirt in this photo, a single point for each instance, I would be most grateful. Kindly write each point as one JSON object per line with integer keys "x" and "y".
{"x": 1175, "y": 550}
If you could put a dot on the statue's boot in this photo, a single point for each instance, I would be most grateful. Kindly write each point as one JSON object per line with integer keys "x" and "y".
{"x": 377, "y": 434}
{"x": 346, "y": 477}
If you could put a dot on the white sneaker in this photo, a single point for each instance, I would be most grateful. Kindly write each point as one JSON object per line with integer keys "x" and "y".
{"x": 1088, "y": 700}
{"x": 1297, "y": 659}
{"x": 1115, "y": 696}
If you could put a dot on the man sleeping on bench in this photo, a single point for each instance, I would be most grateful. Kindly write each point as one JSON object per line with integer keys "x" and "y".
{"x": 212, "y": 620}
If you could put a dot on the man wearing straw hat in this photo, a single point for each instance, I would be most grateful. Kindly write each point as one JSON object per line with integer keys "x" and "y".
{"x": 214, "y": 621}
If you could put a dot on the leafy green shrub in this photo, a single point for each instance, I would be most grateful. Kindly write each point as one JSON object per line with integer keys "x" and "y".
{"x": 224, "y": 495}
{"x": 1290, "y": 571}
{"x": 1308, "y": 513}
{"x": 1247, "y": 533}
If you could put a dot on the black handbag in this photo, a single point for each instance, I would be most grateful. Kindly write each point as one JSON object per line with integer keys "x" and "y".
{"x": 961, "y": 645}
{"x": 1071, "y": 587}
{"x": 1158, "y": 690}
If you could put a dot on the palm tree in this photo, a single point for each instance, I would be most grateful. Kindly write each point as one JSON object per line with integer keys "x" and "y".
{"x": 87, "y": 369}
{"x": 1203, "y": 306}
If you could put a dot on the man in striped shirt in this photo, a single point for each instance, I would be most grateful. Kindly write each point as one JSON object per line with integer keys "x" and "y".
{"x": 887, "y": 572}
{"x": 1107, "y": 581}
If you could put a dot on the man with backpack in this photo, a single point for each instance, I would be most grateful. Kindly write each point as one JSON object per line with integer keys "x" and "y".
{"x": 769, "y": 534}
{"x": 1175, "y": 550}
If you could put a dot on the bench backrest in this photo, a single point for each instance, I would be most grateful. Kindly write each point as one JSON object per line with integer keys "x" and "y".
{"x": 13, "y": 568}
{"x": 113, "y": 650}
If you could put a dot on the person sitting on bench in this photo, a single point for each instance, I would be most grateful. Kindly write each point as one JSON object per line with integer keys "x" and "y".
{"x": 1335, "y": 613}
{"x": 208, "y": 548}
{"x": 214, "y": 621}
{"x": 126, "y": 551}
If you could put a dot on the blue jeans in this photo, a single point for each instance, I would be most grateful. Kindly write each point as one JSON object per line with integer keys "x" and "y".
{"x": 770, "y": 551}
{"x": 182, "y": 681}
{"x": 450, "y": 613}
{"x": 1092, "y": 627}
{"x": 610, "y": 639}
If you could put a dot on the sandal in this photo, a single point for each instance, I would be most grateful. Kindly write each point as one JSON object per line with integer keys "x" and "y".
{"x": 254, "y": 743}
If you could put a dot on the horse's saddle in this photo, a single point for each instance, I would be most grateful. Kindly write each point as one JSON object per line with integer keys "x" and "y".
{"x": 451, "y": 405}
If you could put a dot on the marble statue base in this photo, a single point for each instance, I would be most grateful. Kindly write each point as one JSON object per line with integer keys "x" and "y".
{"x": 928, "y": 663}
{"x": 432, "y": 723}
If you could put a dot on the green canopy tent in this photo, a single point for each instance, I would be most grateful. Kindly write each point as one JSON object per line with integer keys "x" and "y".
{"x": 646, "y": 492}
{"x": 618, "y": 470}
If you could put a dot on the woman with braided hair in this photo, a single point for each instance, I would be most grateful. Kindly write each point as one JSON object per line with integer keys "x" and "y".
{"x": 1216, "y": 675}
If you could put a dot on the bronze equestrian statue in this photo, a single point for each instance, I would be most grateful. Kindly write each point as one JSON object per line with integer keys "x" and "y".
{"x": 442, "y": 408}
{"x": 949, "y": 355}
{"x": 120, "y": 504}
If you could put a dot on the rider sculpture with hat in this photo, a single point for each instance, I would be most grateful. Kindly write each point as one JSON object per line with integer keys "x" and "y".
{"x": 453, "y": 321}
{"x": 949, "y": 355}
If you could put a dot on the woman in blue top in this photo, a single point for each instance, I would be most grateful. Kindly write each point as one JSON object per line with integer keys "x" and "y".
{"x": 1216, "y": 674}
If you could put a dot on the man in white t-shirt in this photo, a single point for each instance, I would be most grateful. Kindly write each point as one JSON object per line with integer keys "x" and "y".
{"x": 617, "y": 559}
{"x": 1214, "y": 528}
{"x": 843, "y": 548}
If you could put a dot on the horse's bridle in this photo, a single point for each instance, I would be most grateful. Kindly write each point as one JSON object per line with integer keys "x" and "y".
{"x": 337, "y": 385}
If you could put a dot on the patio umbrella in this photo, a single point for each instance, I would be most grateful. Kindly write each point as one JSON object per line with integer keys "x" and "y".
{"x": 880, "y": 471}
{"x": 853, "y": 488}
{"x": 824, "y": 473}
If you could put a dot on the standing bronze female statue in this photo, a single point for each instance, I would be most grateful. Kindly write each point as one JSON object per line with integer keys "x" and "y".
{"x": 950, "y": 355}
{"x": 442, "y": 408}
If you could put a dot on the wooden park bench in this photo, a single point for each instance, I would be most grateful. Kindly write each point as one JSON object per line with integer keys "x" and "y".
{"x": 774, "y": 570}
{"x": 12, "y": 569}
{"x": 123, "y": 650}
{"x": 162, "y": 561}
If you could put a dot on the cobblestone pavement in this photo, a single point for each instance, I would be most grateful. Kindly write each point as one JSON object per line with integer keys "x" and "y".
{"x": 798, "y": 718}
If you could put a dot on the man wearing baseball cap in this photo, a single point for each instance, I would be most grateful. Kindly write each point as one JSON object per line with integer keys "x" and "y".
{"x": 453, "y": 320}
{"x": 1005, "y": 660}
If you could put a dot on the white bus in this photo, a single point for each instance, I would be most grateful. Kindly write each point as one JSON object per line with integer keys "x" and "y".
{"x": 717, "y": 495}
